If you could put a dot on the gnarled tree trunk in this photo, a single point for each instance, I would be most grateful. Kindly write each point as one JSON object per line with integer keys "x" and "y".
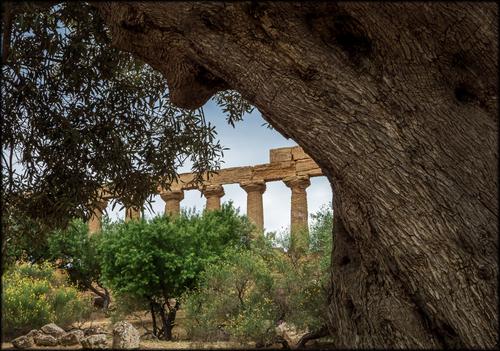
{"x": 398, "y": 105}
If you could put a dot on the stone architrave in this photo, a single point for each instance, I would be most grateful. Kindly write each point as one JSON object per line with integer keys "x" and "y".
{"x": 213, "y": 193}
{"x": 299, "y": 215}
{"x": 96, "y": 217}
{"x": 132, "y": 213}
{"x": 255, "y": 209}
{"x": 172, "y": 201}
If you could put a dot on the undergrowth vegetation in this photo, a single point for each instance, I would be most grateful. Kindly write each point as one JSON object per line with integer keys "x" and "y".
{"x": 37, "y": 294}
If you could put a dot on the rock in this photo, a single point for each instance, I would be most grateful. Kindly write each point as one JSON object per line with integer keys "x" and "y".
{"x": 33, "y": 333}
{"x": 23, "y": 342}
{"x": 70, "y": 339}
{"x": 52, "y": 329}
{"x": 290, "y": 334}
{"x": 125, "y": 336}
{"x": 45, "y": 340}
{"x": 94, "y": 331}
{"x": 96, "y": 341}
{"x": 79, "y": 333}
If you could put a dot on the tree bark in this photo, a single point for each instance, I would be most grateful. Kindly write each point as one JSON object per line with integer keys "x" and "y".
{"x": 397, "y": 102}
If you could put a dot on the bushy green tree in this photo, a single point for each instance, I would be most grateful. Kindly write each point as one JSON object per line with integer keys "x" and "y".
{"x": 74, "y": 250}
{"x": 157, "y": 260}
{"x": 36, "y": 294}
{"x": 249, "y": 292}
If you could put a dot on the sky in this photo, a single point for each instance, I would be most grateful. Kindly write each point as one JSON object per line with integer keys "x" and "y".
{"x": 249, "y": 143}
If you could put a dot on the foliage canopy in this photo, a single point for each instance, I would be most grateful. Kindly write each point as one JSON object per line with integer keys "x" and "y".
{"x": 157, "y": 260}
{"x": 249, "y": 293}
{"x": 79, "y": 114}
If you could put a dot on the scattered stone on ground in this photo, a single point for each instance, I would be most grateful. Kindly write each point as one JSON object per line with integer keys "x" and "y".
{"x": 69, "y": 339}
{"x": 290, "y": 333}
{"x": 33, "y": 333}
{"x": 125, "y": 336}
{"x": 79, "y": 333}
{"x": 95, "y": 341}
{"x": 45, "y": 340}
{"x": 23, "y": 342}
{"x": 53, "y": 329}
{"x": 94, "y": 331}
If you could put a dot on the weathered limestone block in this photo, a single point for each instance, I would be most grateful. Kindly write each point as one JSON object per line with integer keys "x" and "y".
{"x": 23, "y": 342}
{"x": 96, "y": 341}
{"x": 230, "y": 175}
{"x": 255, "y": 210}
{"x": 307, "y": 167}
{"x": 274, "y": 171}
{"x": 172, "y": 201}
{"x": 53, "y": 329}
{"x": 290, "y": 333}
{"x": 45, "y": 340}
{"x": 33, "y": 333}
{"x": 298, "y": 153}
{"x": 213, "y": 193}
{"x": 125, "y": 336}
{"x": 94, "y": 330}
{"x": 71, "y": 338}
{"x": 280, "y": 155}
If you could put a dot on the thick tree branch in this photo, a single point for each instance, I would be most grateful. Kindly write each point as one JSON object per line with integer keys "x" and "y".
{"x": 397, "y": 103}
{"x": 7, "y": 30}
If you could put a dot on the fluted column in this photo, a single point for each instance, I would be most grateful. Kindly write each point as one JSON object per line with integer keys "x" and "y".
{"x": 172, "y": 202}
{"x": 96, "y": 217}
{"x": 213, "y": 193}
{"x": 255, "y": 210}
{"x": 299, "y": 227}
{"x": 132, "y": 213}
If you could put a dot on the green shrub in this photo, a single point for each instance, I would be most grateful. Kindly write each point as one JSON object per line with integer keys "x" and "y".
{"x": 75, "y": 251}
{"x": 36, "y": 294}
{"x": 158, "y": 260}
{"x": 249, "y": 291}
{"x": 229, "y": 291}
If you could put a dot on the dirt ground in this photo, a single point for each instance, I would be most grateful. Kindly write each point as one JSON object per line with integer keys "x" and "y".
{"x": 157, "y": 345}
{"x": 141, "y": 320}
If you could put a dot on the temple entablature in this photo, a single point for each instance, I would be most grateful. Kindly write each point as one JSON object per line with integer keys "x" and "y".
{"x": 290, "y": 165}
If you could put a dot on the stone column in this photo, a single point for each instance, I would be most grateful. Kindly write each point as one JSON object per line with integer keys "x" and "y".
{"x": 172, "y": 201}
{"x": 255, "y": 210}
{"x": 96, "y": 217}
{"x": 213, "y": 193}
{"x": 132, "y": 213}
{"x": 299, "y": 227}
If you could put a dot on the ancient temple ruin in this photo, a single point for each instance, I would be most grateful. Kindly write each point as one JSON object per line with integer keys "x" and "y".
{"x": 290, "y": 165}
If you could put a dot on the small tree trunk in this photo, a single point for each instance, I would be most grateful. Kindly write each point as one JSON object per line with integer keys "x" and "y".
{"x": 105, "y": 296}
{"x": 170, "y": 320}
{"x": 166, "y": 332}
{"x": 153, "y": 317}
